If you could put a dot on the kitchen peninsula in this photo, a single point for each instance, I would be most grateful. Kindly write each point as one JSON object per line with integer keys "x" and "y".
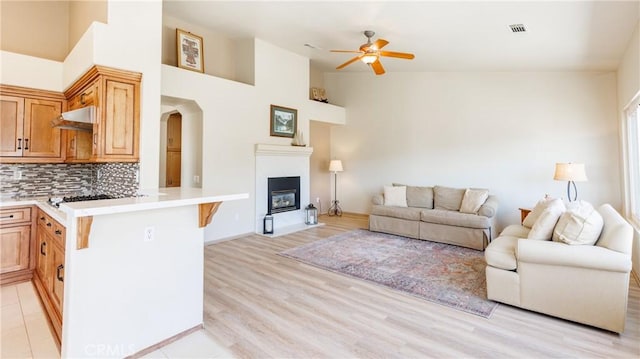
{"x": 133, "y": 269}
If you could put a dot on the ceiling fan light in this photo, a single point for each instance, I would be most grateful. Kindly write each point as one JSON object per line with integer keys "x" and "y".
{"x": 369, "y": 58}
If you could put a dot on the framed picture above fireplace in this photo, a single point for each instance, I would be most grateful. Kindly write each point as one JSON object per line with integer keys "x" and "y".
{"x": 284, "y": 121}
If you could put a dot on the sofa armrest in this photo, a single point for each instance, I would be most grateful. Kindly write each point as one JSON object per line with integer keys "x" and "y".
{"x": 378, "y": 199}
{"x": 560, "y": 254}
{"x": 490, "y": 207}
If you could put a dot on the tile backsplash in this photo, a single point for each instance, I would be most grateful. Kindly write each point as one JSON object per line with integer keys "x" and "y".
{"x": 58, "y": 179}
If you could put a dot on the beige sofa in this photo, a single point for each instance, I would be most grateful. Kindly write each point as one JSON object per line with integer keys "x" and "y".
{"x": 584, "y": 283}
{"x": 433, "y": 213}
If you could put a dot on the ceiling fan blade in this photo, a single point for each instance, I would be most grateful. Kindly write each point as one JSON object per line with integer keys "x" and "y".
{"x": 402, "y": 55}
{"x": 349, "y": 51}
{"x": 349, "y": 62}
{"x": 380, "y": 43}
{"x": 377, "y": 67}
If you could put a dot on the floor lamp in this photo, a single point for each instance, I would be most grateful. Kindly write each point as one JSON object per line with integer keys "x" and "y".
{"x": 335, "y": 166}
{"x": 571, "y": 172}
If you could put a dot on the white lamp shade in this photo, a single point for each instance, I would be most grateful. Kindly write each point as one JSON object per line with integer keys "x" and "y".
{"x": 369, "y": 58}
{"x": 335, "y": 166}
{"x": 570, "y": 172}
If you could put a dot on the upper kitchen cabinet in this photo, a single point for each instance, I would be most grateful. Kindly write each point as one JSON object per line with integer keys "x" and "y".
{"x": 116, "y": 130}
{"x": 25, "y": 125}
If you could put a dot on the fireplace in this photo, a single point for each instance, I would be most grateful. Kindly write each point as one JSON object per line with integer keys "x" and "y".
{"x": 283, "y": 194}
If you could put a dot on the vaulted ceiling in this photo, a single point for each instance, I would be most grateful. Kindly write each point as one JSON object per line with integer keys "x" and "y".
{"x": 444, "y": 35}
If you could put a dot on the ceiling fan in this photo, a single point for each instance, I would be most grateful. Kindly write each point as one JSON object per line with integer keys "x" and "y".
{"x": 371, "y": 52}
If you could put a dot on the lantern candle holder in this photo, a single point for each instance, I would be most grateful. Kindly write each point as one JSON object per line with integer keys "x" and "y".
{"x": 311, "y": 214}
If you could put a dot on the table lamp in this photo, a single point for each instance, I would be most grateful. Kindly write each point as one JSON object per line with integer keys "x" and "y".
{"x": 572, "y": 173}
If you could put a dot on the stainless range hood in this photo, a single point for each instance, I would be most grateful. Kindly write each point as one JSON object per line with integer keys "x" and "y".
{"x": 81, "y": 119}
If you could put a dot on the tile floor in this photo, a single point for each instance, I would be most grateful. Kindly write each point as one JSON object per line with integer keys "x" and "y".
{"x": 26, "y": 333}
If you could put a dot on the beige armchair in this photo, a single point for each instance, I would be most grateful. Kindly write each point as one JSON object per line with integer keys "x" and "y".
{"x": 582, "y": 283}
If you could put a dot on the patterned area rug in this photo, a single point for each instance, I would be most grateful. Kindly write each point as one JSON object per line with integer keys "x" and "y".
{"x": 445, "y": 274}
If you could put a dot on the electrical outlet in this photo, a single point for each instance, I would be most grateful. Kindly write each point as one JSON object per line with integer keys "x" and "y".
{"x": 317, "y": 199}
{"x": 149, "y": 234}
{"x": 196, "y": 179}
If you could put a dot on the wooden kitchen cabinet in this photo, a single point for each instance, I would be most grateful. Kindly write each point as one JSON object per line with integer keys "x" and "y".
{"x": 25, "y": 122}
{"x": 116, "y": 133}
{"x": 17, "y": 244}
{"x": 49, "y": 278}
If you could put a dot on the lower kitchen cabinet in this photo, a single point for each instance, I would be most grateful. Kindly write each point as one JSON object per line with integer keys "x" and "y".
{"x": 16, "y": 244}
{"x": 49, "y": 278}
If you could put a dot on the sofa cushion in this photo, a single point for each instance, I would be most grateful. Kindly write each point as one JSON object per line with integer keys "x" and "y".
{"x": 531, "y": 218}
{"x": 397, "y": 212}
{"x": 516, "y": 230}
{"x": 543, "y": 227}
{"x": 501, "y": 253}
{"x": 418, "y": 196}
{"x": 580, "y": 224}
{"x": 447, "y": 198}
{"x": 473, "y": 199}
{"x": 454, "y": 218}
{"x": 395, "y": 196}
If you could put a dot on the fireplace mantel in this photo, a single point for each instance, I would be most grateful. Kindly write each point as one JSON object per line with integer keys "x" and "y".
{"x": 263, "y": 149}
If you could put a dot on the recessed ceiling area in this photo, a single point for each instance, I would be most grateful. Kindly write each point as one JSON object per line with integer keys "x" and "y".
{"x": 444, "y": 35}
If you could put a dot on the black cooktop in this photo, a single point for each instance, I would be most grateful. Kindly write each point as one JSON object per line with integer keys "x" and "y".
{"x": 55, "y": 201}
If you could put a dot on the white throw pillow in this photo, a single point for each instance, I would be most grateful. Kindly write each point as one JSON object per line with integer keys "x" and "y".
{"x": 543, "y": 227}
{"x": 580, "y": 224}
{"x": 532, "y": 217}
{"x": 395, "y": 196}
{"x": 473, "y": 199}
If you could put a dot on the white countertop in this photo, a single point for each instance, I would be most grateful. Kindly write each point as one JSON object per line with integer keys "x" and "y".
{"x": 162, "y": 198}
{"x": 155, "y": 199}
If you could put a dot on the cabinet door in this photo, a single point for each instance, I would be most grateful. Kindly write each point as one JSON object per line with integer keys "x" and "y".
{"x": 14, "y": 245}
{"x": 11, "y": 125}
{"x": 174, "y": 132}
{"x": 88, "y": 97}
{"x": 57, "y": 276}
{"x": 40, "y": 139}
{"x": 120, "y": 128}
{"x": 42, "y": 257}
{"x": 78, "y": 145}
{"x": 173, "y": 168}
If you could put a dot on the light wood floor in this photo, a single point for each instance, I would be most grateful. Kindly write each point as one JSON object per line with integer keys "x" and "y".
{"x": 259, "y": 304}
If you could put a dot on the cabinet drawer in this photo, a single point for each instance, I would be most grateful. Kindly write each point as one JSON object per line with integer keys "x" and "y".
{"x": 15, "y": 215}
{"x": 50, "y": 226}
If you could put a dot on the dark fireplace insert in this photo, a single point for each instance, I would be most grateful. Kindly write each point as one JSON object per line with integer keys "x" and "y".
{"x": 283, "y": 194}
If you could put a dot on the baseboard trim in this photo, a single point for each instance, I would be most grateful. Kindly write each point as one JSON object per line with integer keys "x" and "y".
{"x": 349, "y": 214}
{"x": 219, "y": 240}
{"x": 165, "y": 342}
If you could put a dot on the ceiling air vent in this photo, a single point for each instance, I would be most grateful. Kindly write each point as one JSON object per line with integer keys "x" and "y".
{"x": 517, "y": 28}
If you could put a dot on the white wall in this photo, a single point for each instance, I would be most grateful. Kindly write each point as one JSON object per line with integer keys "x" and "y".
{"x": 319, "y": 139}
{"x": 628, "y": 87}
{"x": 502, "y": 131}
{"x": 236, "y": 117}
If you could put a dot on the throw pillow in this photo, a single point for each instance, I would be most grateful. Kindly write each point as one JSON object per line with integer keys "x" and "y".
{"x": 395, "y": 196}
{"x": 417, "y": 196}
{"x": 447, "y": 198}
{"x": 580, "y": 224}
{"x": 473, "y": 199}
{"x": 531, "y": 218}
{"x": 542, "y": 229}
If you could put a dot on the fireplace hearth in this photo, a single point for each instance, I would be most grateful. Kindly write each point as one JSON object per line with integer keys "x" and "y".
{"x": 283, "y": 194}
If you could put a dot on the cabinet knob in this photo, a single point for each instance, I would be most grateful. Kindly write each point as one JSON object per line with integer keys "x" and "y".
{"x": 48, "y": 224}
{"x": 9, "y": 216}
{"x": 58, "y": 276}
{"x": 42, "y": 245}
{"x": 19, "y": 143}
{"x": 58, "y": 232}
{"x": 26, "y": 143}
{"x": 82, "y": 99}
